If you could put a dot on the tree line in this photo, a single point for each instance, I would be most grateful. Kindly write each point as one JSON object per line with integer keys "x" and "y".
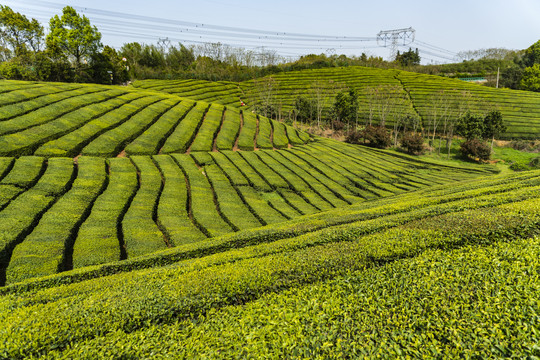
{"x": 72, "y": 51}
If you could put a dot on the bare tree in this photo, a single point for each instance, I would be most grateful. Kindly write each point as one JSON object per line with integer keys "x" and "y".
{"x": 402, "y": 114}
{"x": 322, "y": 93}
{"x": 264, "y": 90}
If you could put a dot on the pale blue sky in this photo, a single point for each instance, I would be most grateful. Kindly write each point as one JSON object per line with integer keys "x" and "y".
{"x": 454, "y": 26}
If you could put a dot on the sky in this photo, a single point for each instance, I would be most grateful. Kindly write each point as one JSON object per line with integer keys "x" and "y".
{"x": 442, "y": 29}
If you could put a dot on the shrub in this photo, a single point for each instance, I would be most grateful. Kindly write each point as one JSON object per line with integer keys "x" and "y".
{"x": 377, "y": 136}
{"x": 354, "y": 137}
{"x": 521, "y": 145}
{"x": 413, "y": 143}
{"x": 525, "y": 145}
{"x": 517, "y": 166}
{"x": 535, "y": 163}
{"x": 476, "y": 149}
{"x": 338, "y": 125}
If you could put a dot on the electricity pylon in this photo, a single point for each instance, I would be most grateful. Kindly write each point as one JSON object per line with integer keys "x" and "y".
{"x": 164, "y": 44}
{"x": 391, "y": 38}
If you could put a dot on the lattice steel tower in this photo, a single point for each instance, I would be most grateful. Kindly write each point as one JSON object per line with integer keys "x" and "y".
{"x": 391, "y": 38}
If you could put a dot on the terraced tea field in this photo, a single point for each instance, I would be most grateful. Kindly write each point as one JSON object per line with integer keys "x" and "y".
{"x": 520, "y": 109}
{"x": 220, "y": 92}
{"x": 57, "y": 215}
{"x": 345, "y": 282}
{"x": 71, "y": 120}
{"x": 135, "y": 224}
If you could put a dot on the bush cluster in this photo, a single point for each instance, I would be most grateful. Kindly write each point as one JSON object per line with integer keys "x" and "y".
{"x": 374, "y": 136}
{"x": 525, "y": 145}
{"x": 413, "y": 143}
{"x": 476, "y": 149}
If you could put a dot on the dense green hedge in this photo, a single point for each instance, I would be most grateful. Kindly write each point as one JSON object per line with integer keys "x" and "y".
{"x": 229, "y": 131}
{"x": 173, "y": 208}
{"x": 202, "y": 199}
{"x": 115, "y": 140}
{"x": 67, "y": 120}
{"x": 151, "y": 141}
{"x": 42, "y": 252}
{"x": 407, "y": 207}
{"x": 185, "y": 132}
{"x": 82, "y": 316}
{"x": 248, "y": 132}
{"x": 209, "y": 129}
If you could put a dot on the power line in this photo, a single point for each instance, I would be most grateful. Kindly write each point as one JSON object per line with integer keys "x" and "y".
{"x": 188, "y": 24}
{"x": 157, "y": 30}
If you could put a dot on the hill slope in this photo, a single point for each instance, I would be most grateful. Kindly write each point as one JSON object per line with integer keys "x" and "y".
{"x": 220, "y": 234}
{"x": 69, "y": 120}
{"x": 349, "y": 282}
{"x": 520, "y": 109}
{"x": 59, "y": 215}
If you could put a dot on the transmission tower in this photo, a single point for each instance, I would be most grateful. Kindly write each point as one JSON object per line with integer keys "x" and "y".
{"x": 164, "y": 44}
{"x": 392, "y": 38}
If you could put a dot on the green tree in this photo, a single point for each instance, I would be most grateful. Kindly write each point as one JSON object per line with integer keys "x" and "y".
{"x": 511, "y": 76}
{"x": 532, "y": 55}
{"x": 346, "y": 106}
{"x": 408, "y": 58}
{"x": 151, "y": 57}
{"x": 304, "y": 109}
{"x": 19, "y": 33}
{"x": 107, "y": 67}
{"x": 73, "y": 35}
{"x": 470, "y": 126}
{"x": 493, "y": 126}
{"x": 531, "y": 78}
{"x": 179, "y": 58}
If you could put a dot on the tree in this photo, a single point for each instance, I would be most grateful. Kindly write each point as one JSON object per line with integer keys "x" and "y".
{"x": 21, "y": 34}
{"x": 470, "y": 126}
{"x": 531, "y": 78}
{"x": 151, "y": 56}
{"x": 107, "y": 67}
{"x": 408, "y": 58}
{"x": 266, "y": 89}
{"x": 304, "y": 109}
{"x": 532, "y": 55}
{"x": 179, "y": 58}
{"x": 346, "y": 106}
{"x": 511, "y": 77}
{"x": 321, "y": 92}
{"x": 73, "y": 35}
{"x": 439, "y": 106}
{"x": 493, "y": 126}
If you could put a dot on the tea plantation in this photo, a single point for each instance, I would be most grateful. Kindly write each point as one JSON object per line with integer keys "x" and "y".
{"x": 69, "y": 120}
{"x": 415, "y": 91}
{"x": 139, "y": 224}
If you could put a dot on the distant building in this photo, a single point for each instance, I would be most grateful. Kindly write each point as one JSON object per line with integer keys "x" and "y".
{"x": 478, "y": 80}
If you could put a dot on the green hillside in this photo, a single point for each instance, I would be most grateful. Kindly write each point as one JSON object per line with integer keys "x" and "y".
{"x": 69, "y": 120}
{"x": 414, "y": 91}
{"x": 220, "y": 92}
{"x": 140, "y": 224}
{"x": 441, "y": 272}
{"x": 57, "y": 215}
